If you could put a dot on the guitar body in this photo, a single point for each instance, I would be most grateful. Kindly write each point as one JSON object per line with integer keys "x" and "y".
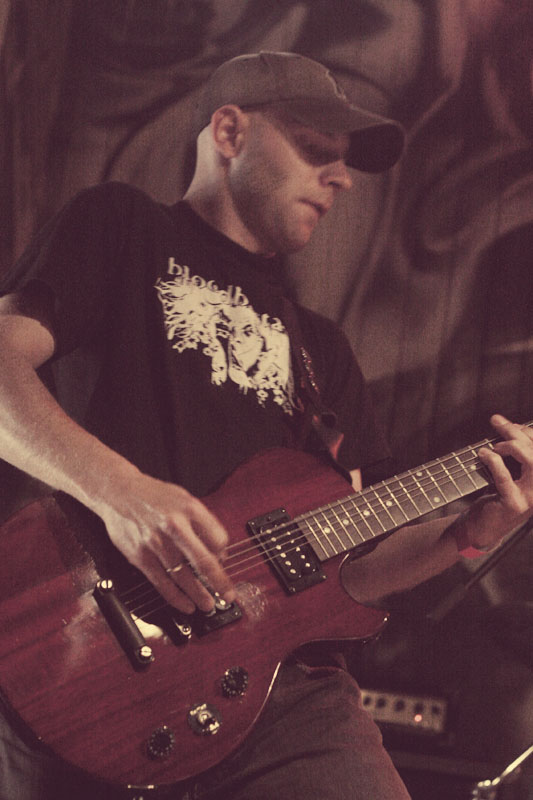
{"x": 67, "y": 677}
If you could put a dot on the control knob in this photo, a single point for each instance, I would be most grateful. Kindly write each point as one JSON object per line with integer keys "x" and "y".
{"x": 161, "y": 743}
{"x": 234, "y": 682}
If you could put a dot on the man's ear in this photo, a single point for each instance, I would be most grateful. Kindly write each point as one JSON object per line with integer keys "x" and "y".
{"x": 229, "y": 125}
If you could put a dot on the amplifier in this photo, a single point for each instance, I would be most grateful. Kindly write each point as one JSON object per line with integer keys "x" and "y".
{"x": 408, "y": 712}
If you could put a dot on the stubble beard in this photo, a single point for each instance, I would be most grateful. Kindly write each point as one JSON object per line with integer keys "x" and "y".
{"x": 255, "y": 188}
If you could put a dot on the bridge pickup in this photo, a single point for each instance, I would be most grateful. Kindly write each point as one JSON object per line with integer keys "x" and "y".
{"x": 287, "y": 551}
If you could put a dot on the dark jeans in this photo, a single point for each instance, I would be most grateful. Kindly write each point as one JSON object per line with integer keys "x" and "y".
{"x": 313, "y": 741}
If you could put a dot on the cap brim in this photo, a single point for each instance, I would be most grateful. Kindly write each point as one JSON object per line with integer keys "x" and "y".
{"x": 376, "y": 148}
{"x": 376, "y": 143}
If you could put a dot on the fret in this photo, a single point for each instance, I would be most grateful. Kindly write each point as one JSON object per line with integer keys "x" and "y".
{"x": 432, "y": 496}
{"x": 402, "y": 496}
{"x": 318, "y": 543}
{"x": 343, "y": 534}
{"x": 463, "y": 479}
{"x": 394, "y": 509}
{"x": 323, "y": 536}
{"x": 330, "y": 532}
{"x": 420, "y": 502}
{"x": 363, "y": 517}
{"x": 442, "y": 490}
{"x": 348, "y": 520}
{"x": 379, "y": 509}
{"x": 453, "y": 491}
{"x": 382, "y": 512}
{"x": 332, "y": 529}
{"x": 476, "y": 470}
{"x": 369, "y": 516}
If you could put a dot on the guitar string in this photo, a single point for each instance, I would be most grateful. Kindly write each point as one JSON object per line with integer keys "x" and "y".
{"x": 261, "y": 556}
{"x": 300, "y": 537}
{"x": 285, "y": 528}
{"x": 411, "y": 491}
{"x": 359, "y": 502}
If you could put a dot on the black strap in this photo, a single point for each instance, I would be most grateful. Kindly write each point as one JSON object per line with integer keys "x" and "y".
{"x": 316, "y": 414}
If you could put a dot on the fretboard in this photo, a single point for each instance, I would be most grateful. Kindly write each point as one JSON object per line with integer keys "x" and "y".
{"x": 379, "y": 509}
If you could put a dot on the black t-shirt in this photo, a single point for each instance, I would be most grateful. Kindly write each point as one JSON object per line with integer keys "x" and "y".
{"x": 173, "y": 339}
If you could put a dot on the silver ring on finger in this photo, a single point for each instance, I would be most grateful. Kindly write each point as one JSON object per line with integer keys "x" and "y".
{"x": 175, "y": 570}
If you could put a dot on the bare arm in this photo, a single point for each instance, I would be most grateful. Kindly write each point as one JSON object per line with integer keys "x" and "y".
{"x": 418, "y": 552}
{"x": 156, "y": 525}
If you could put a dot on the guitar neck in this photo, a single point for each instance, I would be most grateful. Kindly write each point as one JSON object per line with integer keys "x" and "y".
{"x": 379, "y": 509}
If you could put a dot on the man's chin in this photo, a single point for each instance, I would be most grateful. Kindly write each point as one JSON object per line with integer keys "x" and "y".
{"x": 298, "y": 239}
{"x": 290, "y": 239}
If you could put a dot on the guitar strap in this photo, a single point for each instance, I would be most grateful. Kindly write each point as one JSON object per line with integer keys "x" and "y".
{"x": 316, "y": 415}
{"x": 318, "y": 419}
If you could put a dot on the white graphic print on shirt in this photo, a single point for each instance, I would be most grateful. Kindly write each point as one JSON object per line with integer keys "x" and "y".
{"x": 251, "y": 350}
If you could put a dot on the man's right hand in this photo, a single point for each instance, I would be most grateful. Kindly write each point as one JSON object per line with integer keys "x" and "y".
{"x": 171, "y": 537}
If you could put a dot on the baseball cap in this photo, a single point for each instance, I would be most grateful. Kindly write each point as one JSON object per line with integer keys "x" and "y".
{"x": 311, "y": 95}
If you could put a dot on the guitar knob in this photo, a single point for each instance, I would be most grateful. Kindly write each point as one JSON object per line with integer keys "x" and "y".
{"x": 161, "y": 743}
{"x": 204, "y": 719}
{"x": 234, "y": 682}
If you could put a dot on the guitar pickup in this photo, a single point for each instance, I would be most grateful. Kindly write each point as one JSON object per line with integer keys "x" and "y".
{"x": 286, "y": 550}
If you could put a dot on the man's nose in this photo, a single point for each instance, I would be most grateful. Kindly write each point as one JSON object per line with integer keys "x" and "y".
{"x": 337, "y": 174}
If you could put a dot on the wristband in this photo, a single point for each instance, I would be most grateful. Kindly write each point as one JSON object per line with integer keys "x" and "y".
{"x": 466, "y": 550}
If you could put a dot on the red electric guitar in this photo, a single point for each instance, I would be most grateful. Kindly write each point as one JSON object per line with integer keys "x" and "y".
{"x": 119, "y": 685}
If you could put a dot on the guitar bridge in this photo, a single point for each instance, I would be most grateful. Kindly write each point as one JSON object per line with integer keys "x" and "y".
{"x": 222, "y": 614}
{"x": 286, "y": 550}
{"x": 122, "y": 624}
{"x": 181, "y": 627}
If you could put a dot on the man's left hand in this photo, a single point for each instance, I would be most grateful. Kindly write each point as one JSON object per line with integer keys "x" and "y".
{"x": 494, "y": 516}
